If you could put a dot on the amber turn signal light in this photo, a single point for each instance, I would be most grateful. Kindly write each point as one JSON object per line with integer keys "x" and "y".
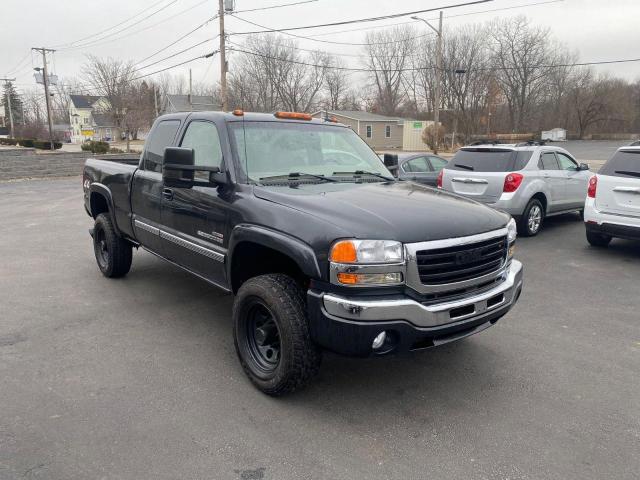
{"x": 344, "y": 252}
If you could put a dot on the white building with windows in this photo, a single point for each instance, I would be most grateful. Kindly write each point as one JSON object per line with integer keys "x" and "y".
{"x": 89, "y": 121}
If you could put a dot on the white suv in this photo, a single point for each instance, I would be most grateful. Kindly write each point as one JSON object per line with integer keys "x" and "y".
{"x": 612, "y": 208}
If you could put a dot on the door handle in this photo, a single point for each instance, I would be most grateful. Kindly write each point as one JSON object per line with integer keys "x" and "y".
{"x": 167, "y": 193}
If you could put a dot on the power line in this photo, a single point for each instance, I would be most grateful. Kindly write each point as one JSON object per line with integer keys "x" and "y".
{"x": 19, "y": 64}
{"x": 276, "y": 6}
{"x": 179, "y": 39}
{"x": 412, "y": 69}
{"x": 111, "y": 27}
{"x": 269, "y": 30}
{"x": 100, "y": 41}
{"x": 534, "y": 4}
{"x": 372, "y": 19}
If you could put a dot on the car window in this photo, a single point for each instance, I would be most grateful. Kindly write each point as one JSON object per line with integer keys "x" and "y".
{"x": 548, "y": 161}
{"x": 566, "y": 163}
{"x": 623, "y": 164}
{"x": 483, "y": 159}
{"x": 437, "y": 163}
{"x": 416, "y": 165}
{"x": 160, "y": 138}
{"x": 203, "y": 138}
{"x": 522, "y": 158}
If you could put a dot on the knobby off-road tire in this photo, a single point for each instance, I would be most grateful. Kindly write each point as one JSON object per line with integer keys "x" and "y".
{"x": 531, "y": 220}
{"x": 113, "y": 254}
{"x": 598, "y": 239}
{"x": 271, "y": 334}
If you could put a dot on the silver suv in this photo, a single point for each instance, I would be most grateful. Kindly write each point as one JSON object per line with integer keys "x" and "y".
{"x": 530, "y": 181}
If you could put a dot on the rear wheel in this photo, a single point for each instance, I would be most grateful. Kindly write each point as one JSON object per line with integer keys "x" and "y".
{"x": 271, "y": 334}
{"x": 532, "y": 218}
{"x": 113, "y": 254}
{"x": 598, "y": 239}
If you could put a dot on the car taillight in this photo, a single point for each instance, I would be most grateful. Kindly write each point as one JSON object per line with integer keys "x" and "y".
{"x": 439, "y": 181}
{"x": 511, "y": 182}
{"x": 593, "y": 186}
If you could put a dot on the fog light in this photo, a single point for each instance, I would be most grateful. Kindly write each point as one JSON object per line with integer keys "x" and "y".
{"x": 379, "y": 340}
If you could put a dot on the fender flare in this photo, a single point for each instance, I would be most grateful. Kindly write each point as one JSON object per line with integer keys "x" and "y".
{"x": 301, "y": 253}
{"x": 103, "y": 190}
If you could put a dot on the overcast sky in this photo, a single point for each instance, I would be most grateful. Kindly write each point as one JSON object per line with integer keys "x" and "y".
{"x": 597, "y": 29}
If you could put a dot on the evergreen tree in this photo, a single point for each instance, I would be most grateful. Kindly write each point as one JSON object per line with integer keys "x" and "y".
{"x": 16, "y": 104}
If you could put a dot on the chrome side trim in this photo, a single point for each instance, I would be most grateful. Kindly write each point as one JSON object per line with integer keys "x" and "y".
{"x": 218, "y": 285}
{"x": 428, "y": 315}
{"x": 219, "y": 257}
{"x": 146, "y": 227}
{"x": 413, "y": 276}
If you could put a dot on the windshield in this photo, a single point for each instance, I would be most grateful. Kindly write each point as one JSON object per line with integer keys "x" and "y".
{"x": 273, "y": 149}
{"x": 623, "y": 164}
{"x": 489, "y": 160}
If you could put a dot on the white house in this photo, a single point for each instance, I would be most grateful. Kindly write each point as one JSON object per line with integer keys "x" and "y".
{"x": 89, "y": 121}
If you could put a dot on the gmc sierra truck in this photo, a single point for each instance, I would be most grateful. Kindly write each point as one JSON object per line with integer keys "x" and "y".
{"x": 301, "y": 221}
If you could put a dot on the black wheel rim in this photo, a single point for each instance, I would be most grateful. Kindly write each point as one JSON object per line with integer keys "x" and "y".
{"x": 102, "y": 252}
{"x": 263, "y": 337}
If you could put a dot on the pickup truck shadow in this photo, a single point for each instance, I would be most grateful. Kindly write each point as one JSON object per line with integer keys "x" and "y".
{"x": 432, "y": 377}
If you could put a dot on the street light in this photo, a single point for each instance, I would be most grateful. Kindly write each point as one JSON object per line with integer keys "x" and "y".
{"x": 436, "y": 109}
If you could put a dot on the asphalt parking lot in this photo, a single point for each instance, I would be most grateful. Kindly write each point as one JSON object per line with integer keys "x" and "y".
{"x": 138, "y": 378}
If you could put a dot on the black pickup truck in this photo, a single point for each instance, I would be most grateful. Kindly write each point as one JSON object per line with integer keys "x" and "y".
{"x": 300, "y": 220}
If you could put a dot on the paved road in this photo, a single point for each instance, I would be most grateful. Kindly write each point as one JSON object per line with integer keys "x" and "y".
{"x": 138, "y": 379}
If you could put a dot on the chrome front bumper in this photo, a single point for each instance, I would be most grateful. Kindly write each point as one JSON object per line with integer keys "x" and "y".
{"x": 501, "y": 297}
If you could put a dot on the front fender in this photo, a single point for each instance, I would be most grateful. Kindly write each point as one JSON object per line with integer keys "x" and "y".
{"x": 298, "y": 251}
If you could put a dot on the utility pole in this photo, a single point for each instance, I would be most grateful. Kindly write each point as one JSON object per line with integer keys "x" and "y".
{"x": 46, "y": 90}
{"x": 223, "y": 59}
{"x": 155, "y": 99}
{"x": 438, "y": 89}
{"x": 6, "y": 84}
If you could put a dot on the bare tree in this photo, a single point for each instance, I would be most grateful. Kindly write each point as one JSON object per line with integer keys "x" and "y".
{"x": 522, "y": 56}
{"x": 338, "y": 93}
{"x": 388, "y": 54}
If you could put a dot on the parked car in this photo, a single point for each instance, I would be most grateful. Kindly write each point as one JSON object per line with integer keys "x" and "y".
{"x": 420, "y": 167}
{"x": 530, "y": 181}
{"x": 612, "y": 208}
{"x": 301, "y": 221}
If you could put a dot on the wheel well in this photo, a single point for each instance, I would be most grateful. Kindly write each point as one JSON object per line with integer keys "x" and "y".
{"x": 98, "y": 204}
{"x": 252, "y": 259}
{"x": 543, "y": 199}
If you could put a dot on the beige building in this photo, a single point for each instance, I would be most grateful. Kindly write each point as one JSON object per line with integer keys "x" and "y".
{"x": 88, "y": 120}
{"x": 379, "y": 131}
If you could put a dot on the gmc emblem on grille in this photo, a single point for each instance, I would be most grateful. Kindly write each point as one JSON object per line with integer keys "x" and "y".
{"x": 468, "y": 256}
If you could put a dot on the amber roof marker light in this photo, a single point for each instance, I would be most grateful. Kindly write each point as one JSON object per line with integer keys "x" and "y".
{"x": 238, "y": 112}
{"x": 293, "y": 115}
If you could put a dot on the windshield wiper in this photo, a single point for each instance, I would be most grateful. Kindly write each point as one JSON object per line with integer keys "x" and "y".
{"x": 298, "y": 175}
{"x": 466, "y": 167}
{"x": 626, "y": 172}
{"x": 358, "y": 173}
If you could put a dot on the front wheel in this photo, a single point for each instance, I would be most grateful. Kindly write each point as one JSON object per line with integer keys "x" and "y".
{"x": 271, "y": 334}
{"x": 532, "y": 218}
{"x": 598, "y": 239}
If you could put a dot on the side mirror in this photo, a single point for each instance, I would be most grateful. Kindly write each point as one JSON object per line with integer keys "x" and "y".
{"x": 583, "y": 166}
{"x": 390, "y": 161}
{"x": 177, "y": 167}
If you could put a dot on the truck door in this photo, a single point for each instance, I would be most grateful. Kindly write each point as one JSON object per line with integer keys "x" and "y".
{"x": 194, "y": 219}
{"x": 146, "y": 192}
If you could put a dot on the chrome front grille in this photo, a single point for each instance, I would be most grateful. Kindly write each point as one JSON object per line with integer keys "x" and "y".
{"x": 462, "y": 262}
{"x": 452, "y": 265}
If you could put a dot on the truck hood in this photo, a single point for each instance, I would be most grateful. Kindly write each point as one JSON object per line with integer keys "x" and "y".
{"x": 402, "y": 211}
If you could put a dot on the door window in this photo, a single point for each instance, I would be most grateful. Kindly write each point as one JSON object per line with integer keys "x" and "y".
{"x": 566, "y": 163}
{"x": 203, "y": 138}
{"x": 160, "y": 138}
{"x": 548, "y": 161}
{"x": 416, "y": 165}
{"x": 437, "y": 163}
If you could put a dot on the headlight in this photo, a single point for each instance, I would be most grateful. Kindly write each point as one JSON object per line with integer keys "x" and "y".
{"x": 366, "y": 251}
{"x": 512, "y": 231}
{"x": 362, "y": 263}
